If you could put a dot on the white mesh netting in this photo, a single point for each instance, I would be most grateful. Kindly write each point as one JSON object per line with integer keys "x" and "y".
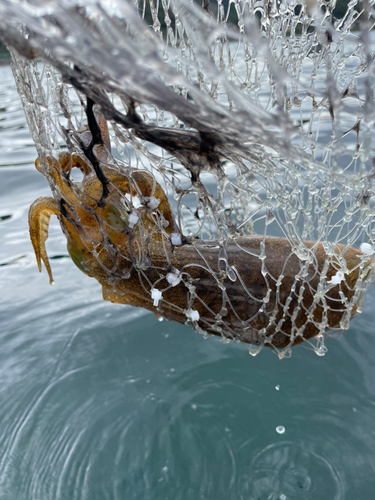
{"x": 212, "y": 163}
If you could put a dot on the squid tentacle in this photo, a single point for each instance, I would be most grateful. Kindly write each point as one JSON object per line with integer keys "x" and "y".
{"x": 39, "y": 217}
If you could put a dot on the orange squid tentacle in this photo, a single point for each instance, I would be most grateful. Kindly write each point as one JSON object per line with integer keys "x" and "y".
{"x": 39, "y": 218}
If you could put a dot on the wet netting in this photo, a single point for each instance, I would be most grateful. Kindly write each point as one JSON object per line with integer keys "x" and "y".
{"x": 212, "y": 162}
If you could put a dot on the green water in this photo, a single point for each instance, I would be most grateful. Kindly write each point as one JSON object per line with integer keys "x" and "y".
{"x": 101, "y": 401}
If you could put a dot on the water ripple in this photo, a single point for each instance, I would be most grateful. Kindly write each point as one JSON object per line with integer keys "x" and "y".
{"x": 284, "y": 471}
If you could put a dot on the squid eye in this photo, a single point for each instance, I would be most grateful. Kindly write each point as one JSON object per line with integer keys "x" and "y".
{"x": 78, "y": 258}
{"x": 116, "y": 218}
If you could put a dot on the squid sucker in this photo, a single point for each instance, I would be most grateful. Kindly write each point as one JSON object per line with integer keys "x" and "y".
{"x": 257, "y": 292}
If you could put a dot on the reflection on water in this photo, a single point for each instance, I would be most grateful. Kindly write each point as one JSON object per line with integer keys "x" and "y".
{"x": 100, "y": 401}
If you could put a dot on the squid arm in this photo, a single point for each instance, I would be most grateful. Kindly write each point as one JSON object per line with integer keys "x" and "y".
{"x": 39, "y": 217}
{"x": 147, "y": 186}
{"x": 142, "y": 183}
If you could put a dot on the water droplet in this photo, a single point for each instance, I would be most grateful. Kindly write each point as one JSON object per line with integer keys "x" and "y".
{"x": 269, "y": 218}
{"x": 253, "y": 351}
{"x": 321, "y": 351}
{"x": 280, "y": 429}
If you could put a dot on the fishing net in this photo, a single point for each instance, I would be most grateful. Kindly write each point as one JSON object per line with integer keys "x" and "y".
{"x": 211, "y": 162}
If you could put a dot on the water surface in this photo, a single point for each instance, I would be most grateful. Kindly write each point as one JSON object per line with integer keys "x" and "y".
{"x": 101, "y": 401}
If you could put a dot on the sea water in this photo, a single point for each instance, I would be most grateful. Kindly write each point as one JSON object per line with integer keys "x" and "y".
{"x": 102, "y": 401}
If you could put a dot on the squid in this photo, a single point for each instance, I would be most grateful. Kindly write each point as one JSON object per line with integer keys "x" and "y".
{"x": 257, "y": 292}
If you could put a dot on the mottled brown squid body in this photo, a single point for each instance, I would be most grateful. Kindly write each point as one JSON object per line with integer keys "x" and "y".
{"x": 263, "y": 295}
{"x": 246, "y": 313}
{"x": 261, "y": 292}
